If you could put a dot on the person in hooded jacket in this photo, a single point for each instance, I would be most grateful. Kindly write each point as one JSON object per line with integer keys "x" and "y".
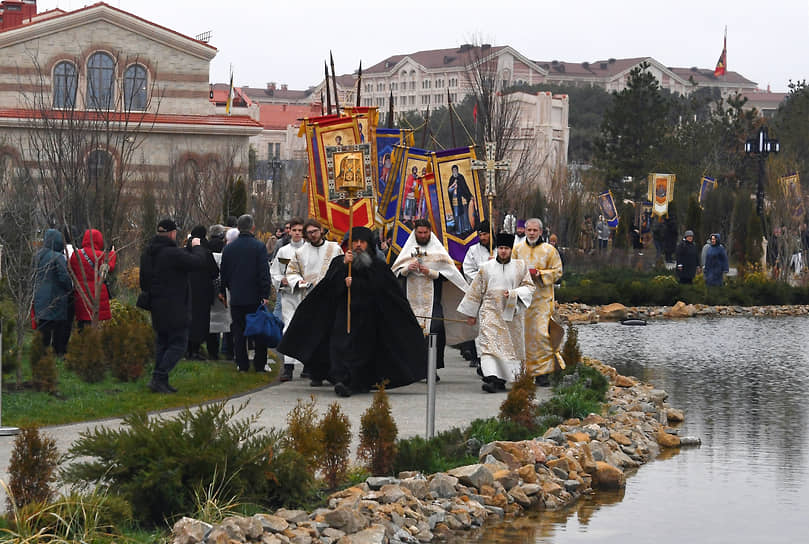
{"x": 202, "y": 282}
{"x": 687, "y": 258}
{"x": 52, "y": 288}
{"x": 716, "y": 263}
{"x": 164, "y": 274}
{"x": 91, "y": 265}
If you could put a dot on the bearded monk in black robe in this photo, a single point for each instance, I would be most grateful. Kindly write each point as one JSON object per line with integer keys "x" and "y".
{"x": 386, "y": 342}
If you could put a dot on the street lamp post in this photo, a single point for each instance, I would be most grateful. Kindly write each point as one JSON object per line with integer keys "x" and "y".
{"x": 761, "y": 146}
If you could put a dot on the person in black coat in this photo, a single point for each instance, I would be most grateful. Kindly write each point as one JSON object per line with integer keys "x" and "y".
{"x": 202, "y": 282}
{"x": 164, "y": 271}
{"x": 670, "y": 238}
{"x": 687, "y": 258}
{"x": 246, "y": 272}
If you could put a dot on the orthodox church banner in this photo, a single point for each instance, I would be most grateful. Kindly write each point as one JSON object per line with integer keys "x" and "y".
{"x": 387, "y": 194}
{"x": 661, "y": 192}
{"x": 417, "y": 197}
{"x": 606, "y": 204}
{"x": 461, "y": 205}
{"x": 791, "y": 186}
{"x": 336, "y": 133}
{"x": 706, "y": 185}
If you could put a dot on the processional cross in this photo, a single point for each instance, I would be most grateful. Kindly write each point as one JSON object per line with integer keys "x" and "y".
{"x": 491, "y": 166}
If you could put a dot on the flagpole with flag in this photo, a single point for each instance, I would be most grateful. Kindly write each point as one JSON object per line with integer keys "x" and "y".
{"x": 722, "y": 63}
{"x": 229, "y": 103}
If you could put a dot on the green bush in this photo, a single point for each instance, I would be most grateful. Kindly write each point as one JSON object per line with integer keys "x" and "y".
{"x": 578, "y": 391}
{"x": 571, "y": 352}
{"x": 335, "y": 431}
{"x": 291, "y": 482}
{"x": 43, "y": 371}
{"x": 156, "y": 464}
{"x": 303, "y": 432}
{"x": 85, "y": 354}
{"x": 378, "y": 435}
{"x": 32, "y": 469}
{"x": 128, "y": 342}
{"x": 519, "y": 405}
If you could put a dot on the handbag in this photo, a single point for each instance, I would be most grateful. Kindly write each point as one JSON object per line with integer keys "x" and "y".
{"x": 264, "y": 323}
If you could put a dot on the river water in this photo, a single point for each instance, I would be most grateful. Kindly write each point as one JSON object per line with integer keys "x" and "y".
{"x": 744, "y": 386}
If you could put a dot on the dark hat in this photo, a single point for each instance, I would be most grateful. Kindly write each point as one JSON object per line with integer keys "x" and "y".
{"x": 504, "y": 239}
{"x": 520, "y": 223}
{"x": 362, "y": 233}
{"x": 199, "y": 232}
{"x": 483, "y": 226}
{"x": 166, "y": 225}
{"x": 688, "y": 233}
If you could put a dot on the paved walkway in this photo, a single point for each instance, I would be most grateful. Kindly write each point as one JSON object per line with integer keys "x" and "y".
{"x": 459, "y": 400}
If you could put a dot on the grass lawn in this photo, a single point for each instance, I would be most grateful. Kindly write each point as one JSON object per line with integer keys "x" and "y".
{"x": 75, "y": 401}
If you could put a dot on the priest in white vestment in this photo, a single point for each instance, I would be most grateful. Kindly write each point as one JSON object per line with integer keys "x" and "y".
{"x": 433, "y": 286}
{"x": 290, "y": 298}
{"x": 309, "y": 264}
{"x": 545, "y": 267}
{"x": 497, "y": 300}
{"x": 474, "y": 258}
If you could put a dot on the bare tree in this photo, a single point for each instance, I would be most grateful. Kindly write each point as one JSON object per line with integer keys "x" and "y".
{"x": 498, "y": 114}
{"x": 80, "y": 143}
{"x": 18, "y": 240}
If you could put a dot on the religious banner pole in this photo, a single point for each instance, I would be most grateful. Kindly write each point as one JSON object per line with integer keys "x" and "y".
{"x": 334, "y": 85}
{"x": 390, "y": 110}
{"x": 328, "y": 91}
{"x": 451, "y": 119}
{"x": 351, "y": 249}
{"x": 426, "y": 127}
{"x": 490, "y": 166}
{"x": 359, "y": 84}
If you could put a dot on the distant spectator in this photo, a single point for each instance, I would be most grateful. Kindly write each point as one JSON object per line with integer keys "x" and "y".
{"x": 202, "y": 285}
{"x": 90, "y": 266}
{"x": 716, "y": 263}
{"x": 687, "y": 258}
{"x": 602, "y": 233}
{"x": 52, "y": 289}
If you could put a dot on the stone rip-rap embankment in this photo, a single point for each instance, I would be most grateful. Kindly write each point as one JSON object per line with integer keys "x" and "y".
{"x": 548, "y": 472}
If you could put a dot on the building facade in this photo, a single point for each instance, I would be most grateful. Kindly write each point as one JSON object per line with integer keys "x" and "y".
{"x": 133, "y": 93}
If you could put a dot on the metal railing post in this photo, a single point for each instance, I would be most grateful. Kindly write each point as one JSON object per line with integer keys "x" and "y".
{"x": 432, "y": 356}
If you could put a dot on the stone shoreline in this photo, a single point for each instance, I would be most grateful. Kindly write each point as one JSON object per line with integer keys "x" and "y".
{"x": 577, "y": 313}
{"x": 548, "y": 472}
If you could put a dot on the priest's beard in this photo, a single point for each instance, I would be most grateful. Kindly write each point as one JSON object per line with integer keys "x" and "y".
{"x": 362, "y": 259}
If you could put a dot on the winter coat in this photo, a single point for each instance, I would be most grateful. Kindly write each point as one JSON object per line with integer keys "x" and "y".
{"x": 83, "y": 263}
{"x": 202, "y": 281}
{"x": 245, "y": 270}
{"x": 687, "y": 257}
{"x": 164, "y": 271}
{"x": 716, "y": 264}
{"x": 52, "y": 284}
{"x": 602, "y": 230}
{"x": 220, "y": 314}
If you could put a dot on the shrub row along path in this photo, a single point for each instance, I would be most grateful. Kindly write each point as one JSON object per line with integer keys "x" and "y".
{"x": 459, "y": 401}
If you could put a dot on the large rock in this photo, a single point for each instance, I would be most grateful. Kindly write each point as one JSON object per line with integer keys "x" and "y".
{"x": 272, "y": 524}
{"x": 621, "y": 438}
{"x": 376, "y": 482}
{"x": 417, "y": 486}
{"x": 607, "y": 476}
{"x": 681, "y": 309}
{"x": 667, "y": 440}
{"x": 625, "y": 381}
{"x": 474, "y": 475}
{"x": 189, "y": 531}
{"x": 375, "y": 534}
{"x": 392, "y": 493}
{"x": 443, "y": 485}
{"x": 673, "y": 414}
{"x": 346, "y": 519}
{"x": 507, "y": 478}
{"x": 293, "y": 516}
{"x": 612, "y": 312}
{"x": 528, "y": 474}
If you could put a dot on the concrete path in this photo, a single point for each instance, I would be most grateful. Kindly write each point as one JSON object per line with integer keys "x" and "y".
{"x": 459, "y": 400}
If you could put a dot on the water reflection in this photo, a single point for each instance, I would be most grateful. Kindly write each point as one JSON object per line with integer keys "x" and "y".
{"x": 743, "y": 384}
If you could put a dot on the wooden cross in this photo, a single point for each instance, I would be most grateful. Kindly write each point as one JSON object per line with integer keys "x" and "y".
{"x": 491, "y": 167}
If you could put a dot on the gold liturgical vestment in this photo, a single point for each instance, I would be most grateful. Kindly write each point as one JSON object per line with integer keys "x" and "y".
{"x": 539, "y": 355}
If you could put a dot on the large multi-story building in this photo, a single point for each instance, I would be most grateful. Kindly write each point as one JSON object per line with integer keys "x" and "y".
{"x": 99, "y": 68}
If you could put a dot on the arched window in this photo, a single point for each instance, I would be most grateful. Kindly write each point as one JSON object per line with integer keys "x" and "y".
{"x": 7, "y": 168}
{"x": 101, "y": 81}
{"x": 64, "y": 85}
{"x": 135, "y": 80}
{"x": 99, "y": 167}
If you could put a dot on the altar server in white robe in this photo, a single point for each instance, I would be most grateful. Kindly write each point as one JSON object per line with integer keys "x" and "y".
{"x": 476, "y": 256}
{"x": 497, "y": 300}
{"x": 290, "y": 298}
{"x": 309, "y": 264}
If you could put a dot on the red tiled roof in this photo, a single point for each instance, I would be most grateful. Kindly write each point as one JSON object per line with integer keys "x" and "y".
{"x": 280, "y": 116}
{"x": 133, "y": 118}
{"x": 38, "y": 19}
{"x": 435, "y": 58}
{"x": 598, "y": 68}
{"x": 765, "y": 97}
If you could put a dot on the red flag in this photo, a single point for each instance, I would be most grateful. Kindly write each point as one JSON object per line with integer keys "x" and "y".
{"x": 475, "y": 113}
{"x": 721, "y": 64}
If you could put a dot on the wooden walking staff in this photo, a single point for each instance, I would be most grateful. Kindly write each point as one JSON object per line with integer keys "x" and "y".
{"x": 351, "y": 186}
{"x": 490, "y": 166}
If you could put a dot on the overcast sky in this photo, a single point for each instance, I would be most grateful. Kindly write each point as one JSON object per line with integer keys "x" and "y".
{"x": 287, "y": 41}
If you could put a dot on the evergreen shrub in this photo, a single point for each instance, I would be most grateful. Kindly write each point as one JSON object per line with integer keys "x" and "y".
{"x": 85, "y": 354}
{"x": 378, "y": 435}
{"x": 519, "y": 406}
{"x": 32, "y": 469}
{"x": 303, "y": 432}
{"x": 156, "y": 464}
{"x": 335, "y": 432}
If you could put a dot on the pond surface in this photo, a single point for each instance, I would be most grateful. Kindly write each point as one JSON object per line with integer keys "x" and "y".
{"x": 744, "y": 386}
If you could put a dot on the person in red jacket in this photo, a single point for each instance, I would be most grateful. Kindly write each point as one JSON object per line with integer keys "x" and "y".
{"x": 90, "y": 264}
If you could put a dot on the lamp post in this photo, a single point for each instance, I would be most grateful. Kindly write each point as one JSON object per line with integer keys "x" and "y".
{"x": 762, "y": 145}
